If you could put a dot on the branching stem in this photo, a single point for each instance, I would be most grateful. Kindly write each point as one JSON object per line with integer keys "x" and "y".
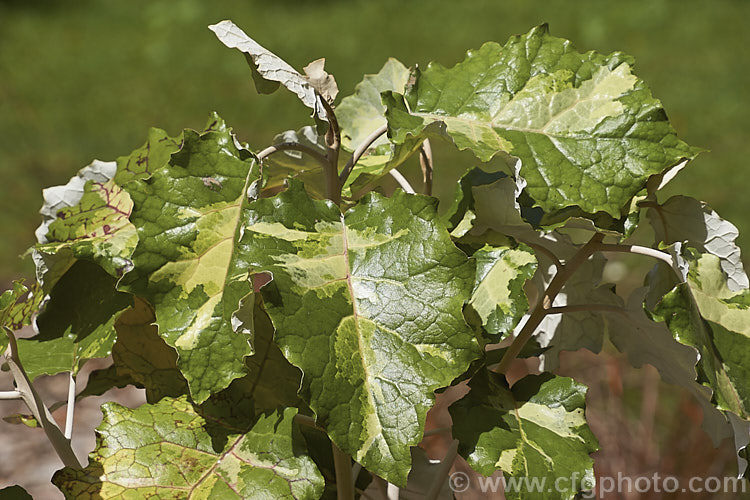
{"x": 564, "y": 272}
{"x": 333, "y": 146}
{"x": 442, "y": 473}
{"x": 364, "y": 146}
{"x": 32, "y": 399}
{"x": 545, "y": 251}
{"x": 586, "y": 307}
{"x": 541, "y": 309}
{"x": 438, "y": 430}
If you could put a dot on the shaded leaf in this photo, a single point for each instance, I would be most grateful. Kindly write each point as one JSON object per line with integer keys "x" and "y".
{"x": 368, "y": 306}
{"x": 77, "y": 323}
{"x": 278, "y": 167}
{"x": 706, "y": 314}
{"x": 14, "y": 493}
{"x": 189, "y": 216}
{"x": 486, "y": 207}
{"x": 646, "y": 341}
{"x": 165, "y": 450}
{"x": 587, "y": 131}
{"x": 142, "y": 357}
{"x": 17, "y": 307}
{"x": 537, "y": 429}
{"x": 685, "y": 219}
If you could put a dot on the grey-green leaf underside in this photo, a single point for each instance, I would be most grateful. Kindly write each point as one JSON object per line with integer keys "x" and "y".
{"x": 269, "y": 70}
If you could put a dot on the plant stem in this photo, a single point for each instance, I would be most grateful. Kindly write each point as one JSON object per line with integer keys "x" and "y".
{"x": 392, "y": 491}
{"x": 308, "y": 422}
{"x": 637, "y": 249}
{"x": 438, "y": 430}
{"x": 292, "y": 146}
{"x": 425, "y": 161}
{"x": 586, "y": 307}
{"x": 364, "y": 146}
{"x": 333, "y": 145}
{"x": 540, "y": 311}
{"x": 402, "y": 181}
{"x": 71, "y": 406}
{"x": 36, "y": 405}
{"x": 8, "y": 395}
{"x": 342, "y": 464}
{"x": 442, "y": 473}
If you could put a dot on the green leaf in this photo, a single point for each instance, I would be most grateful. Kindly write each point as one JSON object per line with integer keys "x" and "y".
{"x": 685, "y": 219}
{"x": 368, "y": 306}
{"x": 269, "y": 70}
{"x": 85, "y": 219}
{"x": 498, "y": 295}
{"x": 142, "y": 357}
{"x": 165, "y": 450}
{"x": 361, "y": 114}
{"x": 537, "y": 429}
{"x": 273, "y": 381}
{"x": 189, "y": 217}
{"x": 88, "y": 218}
{"x": 77, "y": 323}
{"x": 14, "y": 493}
{"x": 485, "y": 207}
{"x": 587, "y": 131}
{"x": 102, "y": 380}
{"x": 649, "y": 341}
{"x": 706, "y": 314}
{"x": 17, "y": 307}
{"x": 154, "y": 154}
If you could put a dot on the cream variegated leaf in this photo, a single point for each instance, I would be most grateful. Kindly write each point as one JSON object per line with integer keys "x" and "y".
{"x": 189, "y": 216}
{"x": 587, "y": 131}
{"x": 368, "y": 304}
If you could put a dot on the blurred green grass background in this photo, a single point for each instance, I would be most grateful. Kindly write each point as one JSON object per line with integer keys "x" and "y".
{"x": 85, "y": 79}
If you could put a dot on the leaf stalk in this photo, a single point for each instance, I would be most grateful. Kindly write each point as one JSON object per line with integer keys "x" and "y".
{"x": 342, "y": 464}
{"x": 443, "y": 470}
{"x": 32, "y": 399}
{"x": 426, "y": 162}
